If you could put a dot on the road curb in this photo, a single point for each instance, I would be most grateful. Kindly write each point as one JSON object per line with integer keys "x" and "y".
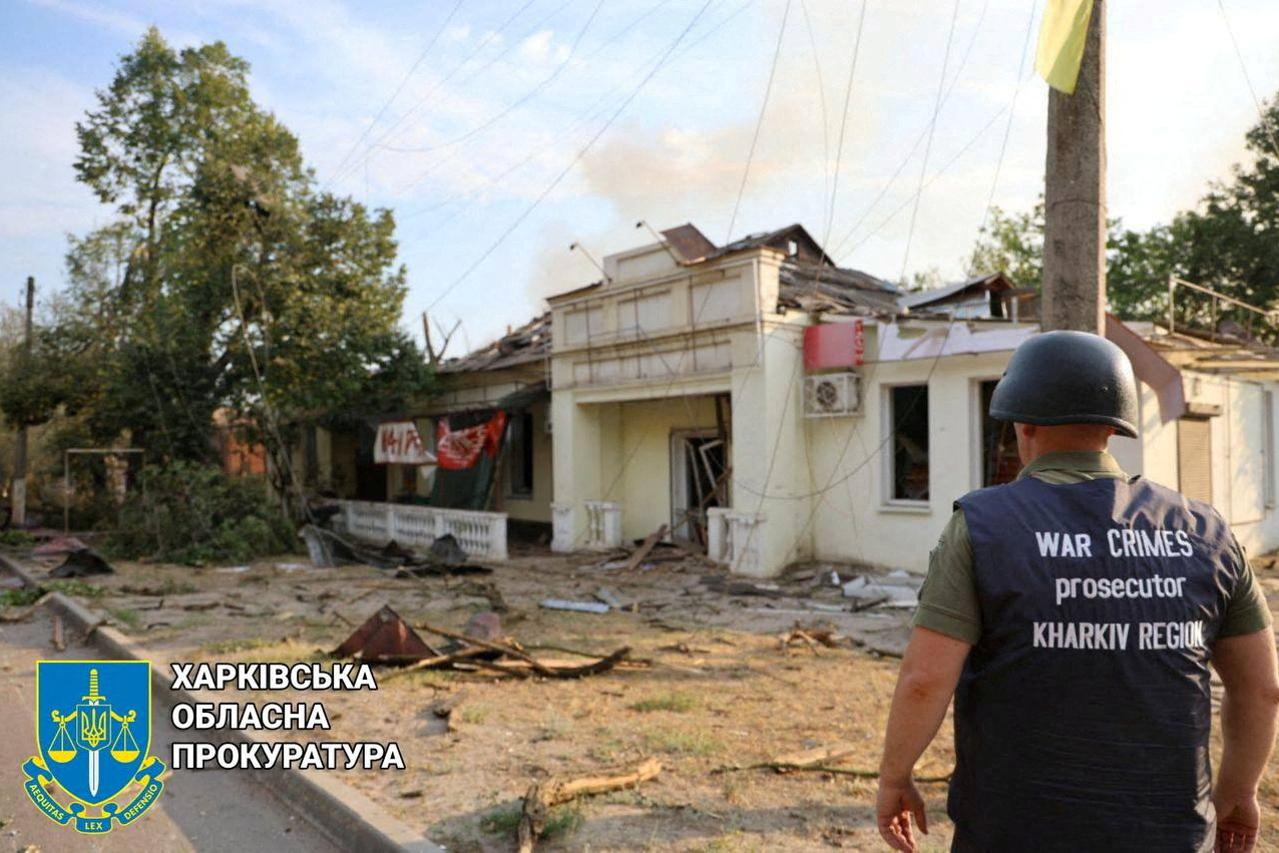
{"x": 348, "y": 817}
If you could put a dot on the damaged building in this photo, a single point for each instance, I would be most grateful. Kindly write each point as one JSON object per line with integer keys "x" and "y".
{"x": 760, "y": 403}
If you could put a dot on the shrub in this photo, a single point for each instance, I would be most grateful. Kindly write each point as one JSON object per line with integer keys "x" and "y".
{"x": 196, "y": 514}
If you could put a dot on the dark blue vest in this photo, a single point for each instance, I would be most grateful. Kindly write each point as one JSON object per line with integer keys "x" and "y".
{"x": 1083, "y": 714}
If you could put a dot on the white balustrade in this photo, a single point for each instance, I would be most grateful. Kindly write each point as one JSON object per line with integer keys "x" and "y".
{"x": 603, "y": 525}
{"x": 734, "y": 539}
{"x": 561, "y": 527}
{"x": 481, "y": 534}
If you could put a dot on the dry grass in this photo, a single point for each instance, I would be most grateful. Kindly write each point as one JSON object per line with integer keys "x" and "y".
{"x": 716, "y": 694}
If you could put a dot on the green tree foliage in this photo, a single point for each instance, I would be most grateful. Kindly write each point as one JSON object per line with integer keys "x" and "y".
{"x": 226, "y": 280}
{"x": 195, "y": 514}
{"x": 1228, "y": 242}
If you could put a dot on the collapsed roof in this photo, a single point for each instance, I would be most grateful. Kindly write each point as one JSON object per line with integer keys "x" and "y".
{"x": 528, "y": 343}
{"x": 810, "y": 281}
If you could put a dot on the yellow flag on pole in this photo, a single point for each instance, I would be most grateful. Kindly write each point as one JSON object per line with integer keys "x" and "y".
{"x": 1061, "y": 42}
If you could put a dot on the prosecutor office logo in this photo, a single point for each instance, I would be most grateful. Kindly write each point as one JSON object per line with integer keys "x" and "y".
{"x": 93, "y": 730}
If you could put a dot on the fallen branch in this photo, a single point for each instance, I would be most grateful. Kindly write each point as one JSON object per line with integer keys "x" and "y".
{"x": 642, "y": 551}
{"x": 528, "y": 661}
{"x": 437, "y": 661}
{"x": 817, "y": 760}
{"x": 545, "y": 795}
{"x": 25, "y": 613}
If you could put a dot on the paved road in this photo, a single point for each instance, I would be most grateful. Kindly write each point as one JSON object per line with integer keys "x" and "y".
{"x": 212, "y": 810}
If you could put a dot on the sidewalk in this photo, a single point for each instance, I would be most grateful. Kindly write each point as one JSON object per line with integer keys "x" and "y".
{"x": 213, "y": 810}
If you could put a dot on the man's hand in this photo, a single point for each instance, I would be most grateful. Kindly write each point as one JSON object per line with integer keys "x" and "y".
{"x": 896, "y": 802}
{"x": 1238, "y": 821}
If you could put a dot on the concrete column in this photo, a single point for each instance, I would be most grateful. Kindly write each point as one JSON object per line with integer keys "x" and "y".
{"x": 577, "y": 454}
{"x": 769, "y": 468}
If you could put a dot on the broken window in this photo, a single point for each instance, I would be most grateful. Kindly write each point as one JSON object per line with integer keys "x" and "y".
{"x": 999, "y": 459}
{"x": 519, "y": 455}
{"x": 699, "y": 481}
{"x": 908, "y": 414}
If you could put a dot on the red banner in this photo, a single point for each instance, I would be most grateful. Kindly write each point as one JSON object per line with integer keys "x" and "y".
{"x": 461, "y": 448}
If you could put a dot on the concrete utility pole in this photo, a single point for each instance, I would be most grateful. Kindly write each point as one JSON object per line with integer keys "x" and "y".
{"x": 18, "y": 488}
{"x": 1074, "y": 287}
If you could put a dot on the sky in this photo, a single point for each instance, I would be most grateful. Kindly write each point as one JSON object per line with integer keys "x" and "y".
{"x": 500, "y": 133}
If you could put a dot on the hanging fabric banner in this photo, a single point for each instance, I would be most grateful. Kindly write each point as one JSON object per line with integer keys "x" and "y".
{"x": 1061, "y": 42}
{"x": 460, "y": 449}
{"x": 398, "y": 443}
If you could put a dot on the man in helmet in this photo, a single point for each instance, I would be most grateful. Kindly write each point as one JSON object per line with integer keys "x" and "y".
{"x": 1073, "y": 614}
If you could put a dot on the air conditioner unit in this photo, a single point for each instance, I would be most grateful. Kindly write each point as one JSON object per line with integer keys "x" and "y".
{"x": 830, "y": 395}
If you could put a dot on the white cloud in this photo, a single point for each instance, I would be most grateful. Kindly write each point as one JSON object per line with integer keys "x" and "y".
{"x": 537, "y": 47}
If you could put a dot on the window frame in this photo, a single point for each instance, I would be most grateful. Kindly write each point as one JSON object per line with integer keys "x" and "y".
{"x": 888, "y": 499}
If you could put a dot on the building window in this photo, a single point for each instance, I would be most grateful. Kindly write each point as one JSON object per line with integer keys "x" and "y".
{"x": 519, "y": 455}
{"x": 999, "y": 460}
{"x": 908, "y": 416}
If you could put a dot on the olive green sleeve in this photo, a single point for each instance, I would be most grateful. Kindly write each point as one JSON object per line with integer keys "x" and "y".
{"x": 1247, "y": 611}
{"x": 948, "y": 599}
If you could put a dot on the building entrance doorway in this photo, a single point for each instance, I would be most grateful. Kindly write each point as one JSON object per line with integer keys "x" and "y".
{"x": 699, "y": 481}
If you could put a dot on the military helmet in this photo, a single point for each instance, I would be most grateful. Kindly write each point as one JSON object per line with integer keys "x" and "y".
{"x": 1068, "y": 378}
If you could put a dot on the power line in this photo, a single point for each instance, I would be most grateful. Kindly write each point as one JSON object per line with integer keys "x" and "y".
{"x": 585, "y": 116}
{"x": 1008, "y": 128}
{"x": 399, "y": 88}
{"x": 492, "y": 120}
{"x": 759, "y": 122}
{"x": 919, "y": 140}
{"x": 906, "y": 203}
{"x": 1243, "y": 66}
{"x": 821, "y": 95}
{"x": 580, "y": 154}
{"x": 830, "y": 215}
{"x": 483, "y": 43}
{"x": 928, "y": 146}
{"x": 843, "y": 126}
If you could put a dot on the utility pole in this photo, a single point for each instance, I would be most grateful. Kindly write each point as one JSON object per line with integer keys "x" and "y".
{"x": 18, "y": 488}
{"x": 1074, "y": 286}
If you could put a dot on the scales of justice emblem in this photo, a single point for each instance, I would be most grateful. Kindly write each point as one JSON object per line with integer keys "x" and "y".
{"x": 89, "y": 743}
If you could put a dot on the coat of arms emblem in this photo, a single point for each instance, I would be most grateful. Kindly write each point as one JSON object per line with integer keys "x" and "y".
{"x": 93, "y": 730}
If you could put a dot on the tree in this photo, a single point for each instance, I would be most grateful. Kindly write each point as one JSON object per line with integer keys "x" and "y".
{"x": 227, "y": 279}
{"x": 1227, "y": 242}
{"x": 1012, "y": 244}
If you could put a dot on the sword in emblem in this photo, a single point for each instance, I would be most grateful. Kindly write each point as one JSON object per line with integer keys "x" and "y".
{"x": 97, "y": 730}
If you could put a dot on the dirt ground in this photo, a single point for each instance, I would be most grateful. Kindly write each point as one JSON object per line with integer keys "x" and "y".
{"x": 719, "y": 690}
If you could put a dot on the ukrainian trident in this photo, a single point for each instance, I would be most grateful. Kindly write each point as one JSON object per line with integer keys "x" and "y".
{"x": 89, "y": 744}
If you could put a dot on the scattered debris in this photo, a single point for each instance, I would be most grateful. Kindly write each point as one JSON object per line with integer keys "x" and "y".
{"x": 895, "y": 588}
{"x": 545, "y": 795}
{"x": 609, "y": 597}
{"x": 645, "y": 547}
{"x": 25, "y": 613}
{"x": 385, "y": 638}
{"x": 812, "y": 636}
{"x": 579, "y": 606}
{"x": 58, "y": 640}
{"x": 446, "y": 549}
{"x": 521, "y": 665}
{"x": 58, "y": 545}
{"x": 81, "y": 563}
{"x": 442, "y": 709}
{"x": 820, "y": 760}
{"x": 484, "y": 626}
{"x": 235, "y": 570}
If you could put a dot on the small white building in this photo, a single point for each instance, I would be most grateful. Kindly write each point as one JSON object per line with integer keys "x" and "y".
{"x": 681, "y": 396}
{"x": 761, "y": 403}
